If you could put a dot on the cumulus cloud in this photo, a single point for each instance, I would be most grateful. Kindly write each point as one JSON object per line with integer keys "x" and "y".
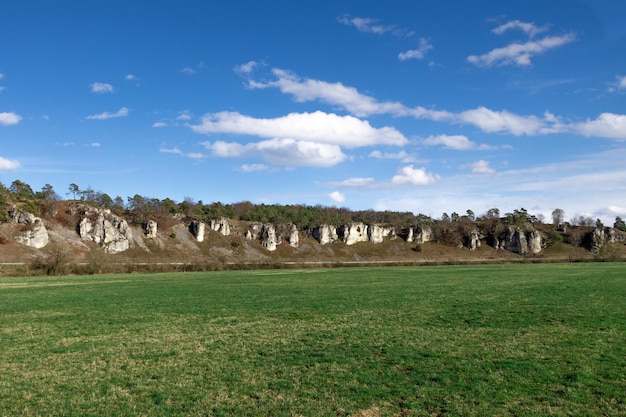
{"x": 519, "y": 54}
{"x": 480, "y": 167}
{"x": 415, "y": 176}
{"x": 419, "y": 53}
{"x": 9, "y": 118}
{"x": 123, "y": 112}
{"x": 320, "y": 127}
{"x": 337, "y": 197}
{"x": 607, "y": 125}
{"x": 9, "y": 164}
{"x": 528, "y": 28}
{"x": 101, "y": 88}
{"x": 281, "y": 151}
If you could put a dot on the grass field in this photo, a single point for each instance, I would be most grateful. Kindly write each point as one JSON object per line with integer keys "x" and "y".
{"x": 489, "y": 340}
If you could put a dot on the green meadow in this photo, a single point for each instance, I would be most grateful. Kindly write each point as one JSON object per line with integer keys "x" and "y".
{"x": 487, "y": 340}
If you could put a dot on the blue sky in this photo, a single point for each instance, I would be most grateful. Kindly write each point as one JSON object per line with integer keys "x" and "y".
{"x": 422, "y": 106}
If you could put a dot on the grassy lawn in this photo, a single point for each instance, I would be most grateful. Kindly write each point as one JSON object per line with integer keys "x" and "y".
{"x": 489, "y": 340}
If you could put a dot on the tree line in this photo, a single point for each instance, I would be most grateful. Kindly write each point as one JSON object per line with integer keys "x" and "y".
{"x": 140, "y": 209}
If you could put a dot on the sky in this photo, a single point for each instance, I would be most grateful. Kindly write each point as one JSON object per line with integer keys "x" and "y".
{"x": 421, "y": 106}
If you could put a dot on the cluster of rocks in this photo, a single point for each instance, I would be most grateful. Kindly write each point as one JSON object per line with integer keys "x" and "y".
{"x": 271, "y": 236}
{"x": 34, "y": 232}
{"x": 603, "y": 236}
{"x": 107, "y": 229}
{"x": 352, "y": 233}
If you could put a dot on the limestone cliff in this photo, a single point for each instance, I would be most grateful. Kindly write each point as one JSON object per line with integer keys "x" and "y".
{"x": 105, "y": 229}
{"x": 34, "y": 233}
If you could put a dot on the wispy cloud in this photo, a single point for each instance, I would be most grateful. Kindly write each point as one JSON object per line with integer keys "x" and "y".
{"x": 455, "y": 142}
{"x": 418, "y": 53}
{"x": 123, "y": 112}
{"x": 530, "y": 29}
{"x": 159, "y": 124}
{"x": 9, "y": 118}
{"x": 247, "y": 68}
{"x": 369, "y": 25}
{"x": 402, "y": 156}
{"x": 253, "y": 167}
{"x": 101, "y": 88}
{"x": 607, "y": 125}
{"x": 131, "y": 77}
{"x": 9, "y": 164}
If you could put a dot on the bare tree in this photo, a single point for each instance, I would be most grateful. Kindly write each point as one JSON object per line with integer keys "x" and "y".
{"x": 557, "y": 217}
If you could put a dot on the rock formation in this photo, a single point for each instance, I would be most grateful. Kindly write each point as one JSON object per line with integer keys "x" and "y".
{"x": 268, "y": 237}
{"x": 294, "y": 237}
{"x": 34, "y": 233}
{"x": 106, "y": 229}
{"x": 473, "y": 239}
{"x": 527, "y": 241}
{"x": 151, "y": 229}
{"x": 222, "y": 226}
{"x": 376, "y": 233}
{"x": 353, "y": 233}
{"x": 197, "y": 229}
{"x": 423, "y": 234}
{"x": 601, "y": 237}
{"x": 325, "y": 234}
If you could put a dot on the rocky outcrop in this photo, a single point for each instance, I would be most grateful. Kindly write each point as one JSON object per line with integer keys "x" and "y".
{"x": 528, "y": 241}
{"x": 221, "y": 226}
{"x": 105, "y": 229}
{"x": 603, "y": 236}
{"x": 325, "y": 234}
{"x": 197, "y": 229}
{"x": 294, "y": 236}
{"x": 473, "y": 239}
{"x": 34, "y": 233}
{"x": 268, "y": 237}
{"x": 423, "y": 234}
{"x": 353, "y": 233}
{"x": 377, "y": 233}
{"x": 151, "y": 229}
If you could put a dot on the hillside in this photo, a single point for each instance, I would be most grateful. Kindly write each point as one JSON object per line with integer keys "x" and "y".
{"x": 82, "y": 236}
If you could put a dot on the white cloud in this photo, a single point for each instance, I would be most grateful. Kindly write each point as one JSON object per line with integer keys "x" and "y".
{"x": 247, "y": 68}
{"x": 123, "y": 112}
{"x": 184, "y": 115}
{"x": 130, "y": 77}
{"x": 9, "y": 118}
{"x": 1, "y": 75}
{"x": 501, "y": 121}
{"x": 281, "y": 151}
{"x": 480, "y": 167}
{"x": 317, "y": 127}
{"x": 419, "y": 53}
{"x": 415, "y": 176}
{"x": 254, "y": 167}
{"x": 519, "y": 53}
{"x": 188, "y": 71}
{"x": 354, "y": 183}
{"x": 528, "y": 28}
{"x": 171, "y": 150}
{"x": 365, "y": 24}
{"x": 402, "y": 155}
{"x": 159, "y": 124}
{"x": 101, "y": 88}
{"x": 456, "y": 142}
{"x": 621, "y": 82}
{"x": 9, "y": 164}
{"x": 94, "y": 144}
{"x": 337, "y": 197}
{"x": 607, "y": 125}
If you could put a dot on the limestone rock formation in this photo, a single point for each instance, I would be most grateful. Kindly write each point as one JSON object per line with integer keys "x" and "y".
{"x": 377, "y": 233}
{"x": 222, "y": 226}
{"x": 353, "y": 233}
{"x": 409, "y": 236}
{"x": 294, "y": 237}
{"x": 151, "y": 229}
{"x": 197, "y": 229}
{"x": 527, "y": 241}
{"x": 601, "y": 237}
{"x": 325, "y": 234}
{"x": 34, "y": 232}
{"x": 473, "y": 239}
{"x": 423, "y": 234}
{"x": 268, "y": 237}
{"x": 106, "y": 229}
